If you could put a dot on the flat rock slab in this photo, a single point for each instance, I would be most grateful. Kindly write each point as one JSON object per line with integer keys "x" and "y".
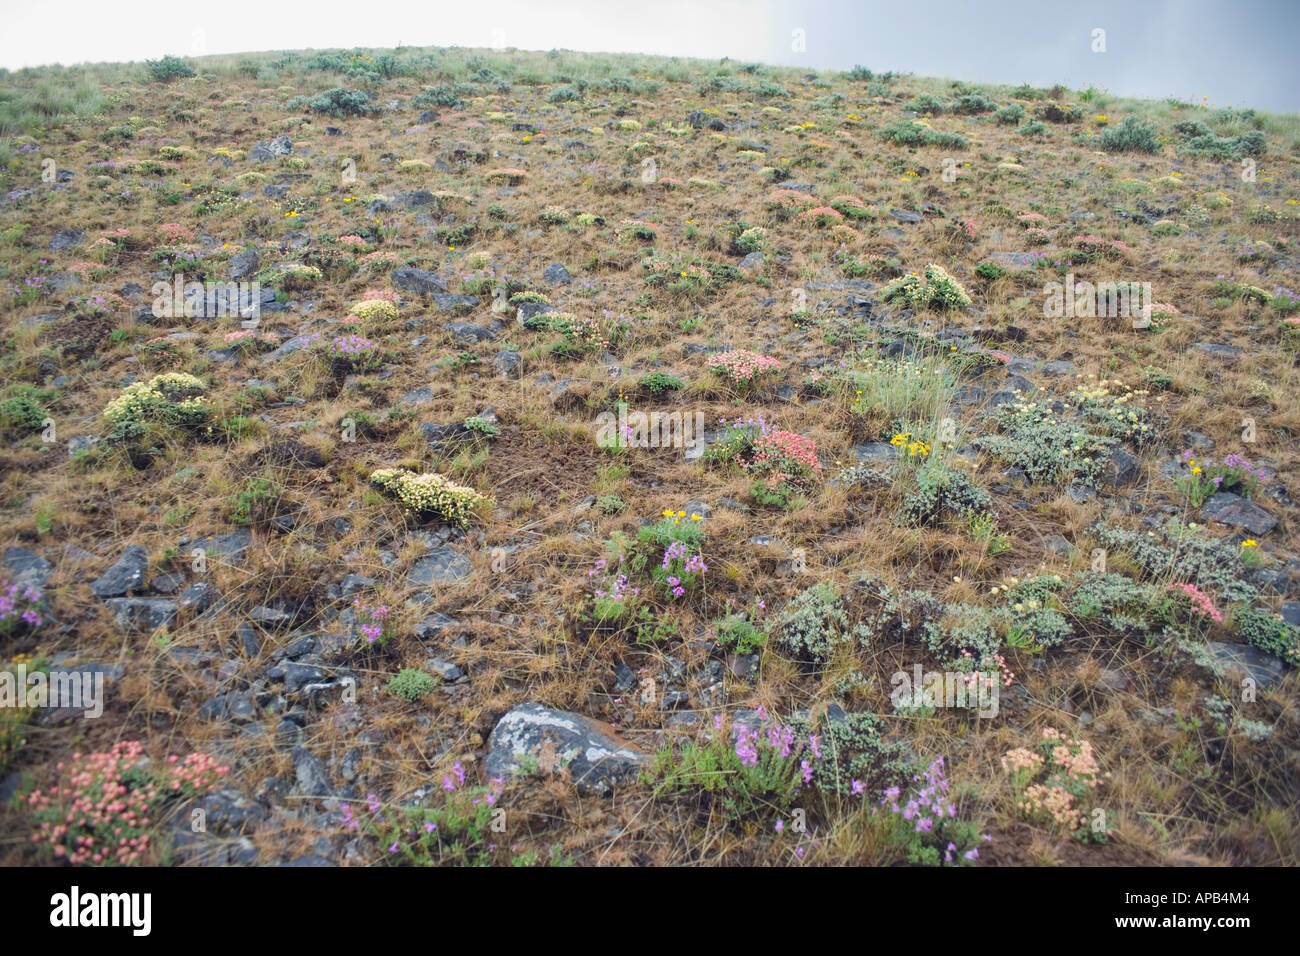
{"x": 880, "y": 452}
{"x": 440, "y": 566}
{"x": 27, "y": 569}
{"x": 1015, "y": 260}
{"x": 592, "y": 752}
{"x": 229, "y": 548}
{"x": 1263, "y": 668}
{"x": 1234, "y": 510}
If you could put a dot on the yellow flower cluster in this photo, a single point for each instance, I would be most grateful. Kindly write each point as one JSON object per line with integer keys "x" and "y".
{"x": 431, "y": 493}
{"x": 677, "y": 516}
{"x": 915, "y": 447}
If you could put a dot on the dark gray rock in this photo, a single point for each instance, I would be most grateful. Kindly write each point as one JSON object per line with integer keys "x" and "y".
{"x": 529, "y": 309}
{"x": 468, "y": 334}
{"x": 445, "y": 669}
{"x": 418, "y": 281}
{"x": 67, "y": 239}
{"x": 1218, "y": 350}
{"x": 556, "y": 274}
{"x": 125, "y": 576}
{"x": 236, "y": 706}
{"x": 230, "y": 548}
{"x": 415, "y": 199}
{"x": 507, "y": 363}
{"x": 903, "y": 215}
{"x": 751, "y": 262}
{"x": 1234, "y": 510}
{"x": 418, "y": 396}
{"x": 446, "y": 302}
{"x": 312, "y": 779}
{"x": 432, "y": 625}
{"x": 289, "y": 346}
{"x": 297, "y": 676}
{"x": 594, "y": 756}
{"x": 1260, "y": 666}
{"x": 1120, "y": 469}
{"x": 881, "y": 452}
{"x": 244, "y": 263}
{"x": 198, "y": 597}
{"x": 144, "y": 613}
{"x": 27, "y": 569}
{"x": 440, "y": 566}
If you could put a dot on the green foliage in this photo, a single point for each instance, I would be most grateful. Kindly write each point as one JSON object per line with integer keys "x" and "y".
{"x": 912, "y": 133}
{"x": 813, "y": 624}
{"x": 1046, "y": 447}
{"x": 942, "y": 490}
{"x": 933, "y": 289}
{"x": 20, "y": 415}
{"x": 411, "y": 684}
{"x": 737, "y": 633}
{"x": 1177, "y": 552}
{"x": 168, "y": 68}
{"x": 482, "y": 426}
{"x": 1116, "y": 604}
{"x": 448, "y": 96}
{"x": 1269, "y": 633}
{"x": 1130, "y": 136}
{"x": 341, "y": 103}
{"x": 660, "y": 382}
{"x": 1010, "y": 115}
{"x": 251, "y": 502}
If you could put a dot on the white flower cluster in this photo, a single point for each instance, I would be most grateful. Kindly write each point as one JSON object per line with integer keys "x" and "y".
{"x": 431, "y": 493}
{"x": 172, "y": 395}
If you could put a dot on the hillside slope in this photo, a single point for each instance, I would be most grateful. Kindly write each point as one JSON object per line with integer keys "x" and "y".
{"x": 383, "y": 542}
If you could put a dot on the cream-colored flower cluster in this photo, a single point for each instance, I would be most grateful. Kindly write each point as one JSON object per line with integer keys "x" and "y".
{"x": 373, "y": 310}
{"x": 170, "y": 395}
{"x": 431, "y": 493}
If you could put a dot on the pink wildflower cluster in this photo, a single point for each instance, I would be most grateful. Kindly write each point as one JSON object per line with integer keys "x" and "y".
{"x": 783, "y": 457}
{"x": 350, "y": 241}
{"x": 1072, "y": 772}
{"x": 1111, "y": 248}
{"x": 1201, "y": 602}
{"x": 103, "y": 810}
{"x": 86, "y": 269}
{"x": 196, "y": 774}
{"x": 176, "y": 232}
{"x": 371, "y": 618}
{"x": 741, "y": 365}
{"x": 788, "y": 199}
{"x": 18, "y": 607}
{"x": 822, "y": 215}
{"x": 927, "y": 807}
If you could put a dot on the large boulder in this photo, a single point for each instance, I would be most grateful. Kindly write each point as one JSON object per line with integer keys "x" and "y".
{"x": 591, "y": 751}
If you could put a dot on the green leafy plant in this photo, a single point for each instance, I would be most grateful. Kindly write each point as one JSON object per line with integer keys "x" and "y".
{"x": 410, "y": 684}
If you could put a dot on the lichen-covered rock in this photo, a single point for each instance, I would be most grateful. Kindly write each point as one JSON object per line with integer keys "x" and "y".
{"x": 591, "y": 751}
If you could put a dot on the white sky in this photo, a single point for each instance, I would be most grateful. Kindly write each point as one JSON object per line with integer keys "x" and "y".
{"x": 1231, "y": 51}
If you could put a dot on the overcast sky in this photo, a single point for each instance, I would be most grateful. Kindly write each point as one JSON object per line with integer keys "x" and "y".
{"x": 1241, "y": 52}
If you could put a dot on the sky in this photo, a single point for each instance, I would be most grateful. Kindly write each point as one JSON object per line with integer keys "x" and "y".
{"x": 1230, "y": 52}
